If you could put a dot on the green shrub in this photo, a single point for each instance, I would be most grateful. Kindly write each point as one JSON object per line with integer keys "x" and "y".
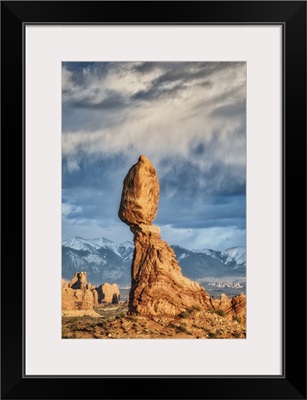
{"x": 219, "y": 312}
{"x": 181, "y": 328}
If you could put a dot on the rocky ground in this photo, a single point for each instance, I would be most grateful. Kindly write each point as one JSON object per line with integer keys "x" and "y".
{"x": 194, "y": 323}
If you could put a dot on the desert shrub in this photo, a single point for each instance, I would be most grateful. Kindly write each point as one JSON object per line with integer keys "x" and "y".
{"x": 100, "y": 324}
{"x": 183, "y": 315}
{"x": 74, "y": 327}
{"x": 219, "y": 312}
{"x": 237, "y": 318}
{"x": 181, "y": 328}
{"x": 197, "y": 327}
{"x": 85, "y": 329}
{"x": 190, "y": 310}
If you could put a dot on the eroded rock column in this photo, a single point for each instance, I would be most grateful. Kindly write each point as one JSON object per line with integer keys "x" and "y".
{"x": 158, "y": 286}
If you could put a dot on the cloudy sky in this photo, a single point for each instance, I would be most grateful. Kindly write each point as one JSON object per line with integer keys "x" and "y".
{"x": 188, "y": 118}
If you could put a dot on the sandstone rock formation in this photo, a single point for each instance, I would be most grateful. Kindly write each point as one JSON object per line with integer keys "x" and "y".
{"x": 158, "y": 286}
{"x": 108, "y": 293}
{"x": 235, "y": 306}
{"x": 79, "y": 296}
{"x": 79, "y": 281}
{"x": 77, "y": 302}
{"x": 141, "y": 191}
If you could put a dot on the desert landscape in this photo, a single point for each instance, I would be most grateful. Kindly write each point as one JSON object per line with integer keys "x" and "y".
{"x": 226, "y": 321}
{"x": 163, "y": 303}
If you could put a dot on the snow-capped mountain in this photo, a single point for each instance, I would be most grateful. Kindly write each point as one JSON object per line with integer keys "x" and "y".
{"x": 201, "y": 264}
{"x": 238, "y": 254}
{"x": 107, "y": 261}
{"x": 102, "y": 259}
{"x": 218, "y": 255}
{"x": 231, "y": 256}
{"x": 78, "y": 243}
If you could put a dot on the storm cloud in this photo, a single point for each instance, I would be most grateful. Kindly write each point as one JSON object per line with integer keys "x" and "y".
{"x": 188, "y": 118}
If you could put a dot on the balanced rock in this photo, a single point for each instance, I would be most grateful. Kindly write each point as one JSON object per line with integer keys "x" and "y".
{"x": 158, "y": 286}
{"x": 139, "y": 202}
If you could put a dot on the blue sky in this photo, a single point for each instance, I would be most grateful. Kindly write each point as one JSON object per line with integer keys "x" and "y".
{"x": 188, "y": 118}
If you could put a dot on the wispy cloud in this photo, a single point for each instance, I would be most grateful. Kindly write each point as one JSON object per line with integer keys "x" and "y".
{"x": 70, "y": 209}
{"x": 188, "y": 118}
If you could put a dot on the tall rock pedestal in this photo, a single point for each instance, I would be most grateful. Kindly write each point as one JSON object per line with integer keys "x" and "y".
{"x": 158, "y": 286}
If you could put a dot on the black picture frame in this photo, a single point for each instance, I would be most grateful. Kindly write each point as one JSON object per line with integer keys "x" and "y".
{"x": 292, "y": 16}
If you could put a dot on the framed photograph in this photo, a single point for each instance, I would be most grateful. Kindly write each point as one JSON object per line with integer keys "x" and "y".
{"x": 163, "y": 189}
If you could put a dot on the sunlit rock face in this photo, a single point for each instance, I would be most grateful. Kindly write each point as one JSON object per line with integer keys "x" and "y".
{"x": 158, "y": 286}
{"x": 79, "y": 297}
{"x": 140, "y": 197}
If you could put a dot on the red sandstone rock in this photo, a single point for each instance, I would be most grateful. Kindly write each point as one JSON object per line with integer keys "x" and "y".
{"x": 235, "y": 306}
{"x": 139, "y": 202}
{"x": 79, "y": 281}
{"x": 108, "y": 293}
{"x": 77, "y": 299}
{"x": 158, "y": 286}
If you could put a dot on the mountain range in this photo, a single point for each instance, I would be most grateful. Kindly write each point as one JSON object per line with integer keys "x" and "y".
{"x": 107, "y": 261}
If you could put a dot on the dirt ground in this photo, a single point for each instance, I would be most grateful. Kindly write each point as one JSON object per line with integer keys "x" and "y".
{"x": 114, "y": 323}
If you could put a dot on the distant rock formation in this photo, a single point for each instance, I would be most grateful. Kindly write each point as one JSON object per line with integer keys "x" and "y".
{"x": 108, "y": 293}
{"x": 235, "y": 306}
{"x": 79, "y": 296}
{"x": 79, "y": 281}
{"x": 77, "y": 301}
{"x": 158, "y": 286}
